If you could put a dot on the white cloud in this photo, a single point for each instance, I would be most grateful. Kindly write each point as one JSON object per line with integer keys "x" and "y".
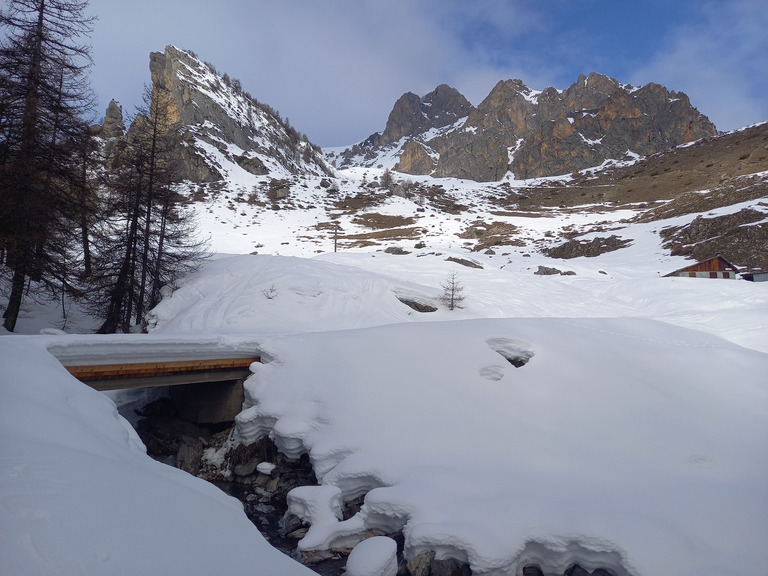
{"x": 336, "y": 68}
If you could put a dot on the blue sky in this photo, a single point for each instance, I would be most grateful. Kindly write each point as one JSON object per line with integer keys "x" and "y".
{"x": 336, "y": 67}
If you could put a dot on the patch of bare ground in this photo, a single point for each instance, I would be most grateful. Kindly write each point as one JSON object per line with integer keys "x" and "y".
{"x": 373, "y": 238}
{"x": 741, "y": 238}
{"x": 440, "y": 200}
{"x": 325, "y": 226}
{"x": 729, "y": 192}
{"x": 380, "y": 221}
{"x": 360, "y": 201}
{"x": 518, "y": 213}
{"x": 491, "y": 234}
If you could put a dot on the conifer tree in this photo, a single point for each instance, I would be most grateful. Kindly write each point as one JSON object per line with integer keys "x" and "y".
{"x": 44, "y": 95}
{"x": 145, "y": 241}
{"x": 453, "y": 292}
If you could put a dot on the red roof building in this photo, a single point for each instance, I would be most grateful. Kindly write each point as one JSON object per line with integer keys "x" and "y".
{"x": 717, "y": 267}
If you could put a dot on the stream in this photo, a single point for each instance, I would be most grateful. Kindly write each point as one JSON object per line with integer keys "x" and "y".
{"x": 179, "y": 443}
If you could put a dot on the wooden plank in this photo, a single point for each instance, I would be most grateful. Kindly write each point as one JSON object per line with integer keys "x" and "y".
{"x": 200, "y": 377}
{"x": 154, "y": 369}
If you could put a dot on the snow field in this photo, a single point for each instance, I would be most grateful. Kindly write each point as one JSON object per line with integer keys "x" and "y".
{"x": 616, "y": 438}
{"x": 80, "y": 496}
{"x": 633, "y": 439}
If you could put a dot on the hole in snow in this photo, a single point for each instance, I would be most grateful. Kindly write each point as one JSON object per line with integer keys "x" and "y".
{"x": 416, "y": 305}
{"x": 516, "y": 352}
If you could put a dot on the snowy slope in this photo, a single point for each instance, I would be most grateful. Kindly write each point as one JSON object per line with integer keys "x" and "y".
{"x": 613, "y": 447}
{"x": 80, "y": 496}
{"x": 255, "y": 294}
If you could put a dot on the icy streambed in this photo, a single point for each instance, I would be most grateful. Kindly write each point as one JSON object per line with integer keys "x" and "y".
{"x": 257, "y": 475}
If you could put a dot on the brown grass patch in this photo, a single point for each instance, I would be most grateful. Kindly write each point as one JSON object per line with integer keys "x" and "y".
{"x": 412, "y": 233}
{"x": 380, "y": 221}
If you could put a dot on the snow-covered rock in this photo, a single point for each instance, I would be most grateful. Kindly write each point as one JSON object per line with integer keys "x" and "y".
{"x": 375, "y": 556}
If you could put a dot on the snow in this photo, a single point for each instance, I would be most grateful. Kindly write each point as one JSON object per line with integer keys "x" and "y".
{"x": 590, "y": 142}
{"x": 633, "y": 436}
{"x": 373, "y": 557}
{"x": 80, "y": 496}
{"x": 616, "y": 437}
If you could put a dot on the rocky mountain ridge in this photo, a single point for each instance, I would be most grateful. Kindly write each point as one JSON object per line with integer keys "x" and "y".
{"x": 411, "y": 115}
{"x": 248, "y": 171}
{"x": 534, "y": 134}
{"x": 220, "y": 125}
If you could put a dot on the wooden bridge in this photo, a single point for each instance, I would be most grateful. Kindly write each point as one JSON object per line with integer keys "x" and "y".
{"x": 203, "y": 391}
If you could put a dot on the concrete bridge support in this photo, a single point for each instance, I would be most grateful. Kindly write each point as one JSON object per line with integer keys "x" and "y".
{"x": 203, "y": 391}
{"x": 208, "y": 403}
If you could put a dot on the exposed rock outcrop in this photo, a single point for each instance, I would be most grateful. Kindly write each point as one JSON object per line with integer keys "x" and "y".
{"x": 587, "y": 248}
{"x": 413, "y": 115}
{"x": 532, "y": 133}
{"x": 549, "y": 271}
{"x": 411, "y": 118}
{"x": 113, "y": 126}
{"x": 741, "y": 238}
{"x": 219, "y": 123}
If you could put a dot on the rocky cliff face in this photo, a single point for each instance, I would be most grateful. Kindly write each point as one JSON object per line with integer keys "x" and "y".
{"x": 741, "y": 237}
{"x": 413, "y": 115}
{"x": 546, "y": 133}
{"x": 113, "y": 126}
{"x": 410, "y": 116}
{"x": 220, "y": 125}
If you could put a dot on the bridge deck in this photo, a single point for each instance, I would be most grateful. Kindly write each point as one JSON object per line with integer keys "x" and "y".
{"x": 148, "y": 374}
{"x": 152, "y": 369}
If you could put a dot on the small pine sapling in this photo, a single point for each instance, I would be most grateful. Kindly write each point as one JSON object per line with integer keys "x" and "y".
{"x": 453, "y": 292}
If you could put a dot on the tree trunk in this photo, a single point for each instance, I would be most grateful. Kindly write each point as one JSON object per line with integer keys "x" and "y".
{"x": 14, "y": 301}
{"x": 120, "y": 298}
{"x": 83, "y": 193}
{"x": 155, "y": 125}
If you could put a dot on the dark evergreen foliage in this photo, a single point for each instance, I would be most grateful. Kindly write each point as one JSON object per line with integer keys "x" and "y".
{"x": 44, "y": 95}
{"x": 144, "y": 240}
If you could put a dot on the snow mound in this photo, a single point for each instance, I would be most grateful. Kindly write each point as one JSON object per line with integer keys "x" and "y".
{"x": 80, "y": 496}
{"x": 615, "y": 446}
{"x": 274, "y": 294}
{"x": 375, "y": 556}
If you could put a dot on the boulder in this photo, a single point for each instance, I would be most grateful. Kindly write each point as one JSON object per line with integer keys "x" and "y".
{"x": 190, "y": 455}
{"x": 419, "y": 564}
{"x": 375, "y": 556}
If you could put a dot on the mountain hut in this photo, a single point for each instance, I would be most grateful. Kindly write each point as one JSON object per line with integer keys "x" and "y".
{"x": 717, "y": 267}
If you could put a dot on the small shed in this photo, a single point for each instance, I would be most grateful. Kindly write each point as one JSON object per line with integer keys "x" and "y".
{"x": 756, "y": 276}
{"x": 717, "y": 267}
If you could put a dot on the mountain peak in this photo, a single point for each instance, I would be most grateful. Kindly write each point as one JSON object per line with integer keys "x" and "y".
{"x": 536, "y": 133}
{"x": 220, "y": 124}
{"x": 413, "y": 115}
